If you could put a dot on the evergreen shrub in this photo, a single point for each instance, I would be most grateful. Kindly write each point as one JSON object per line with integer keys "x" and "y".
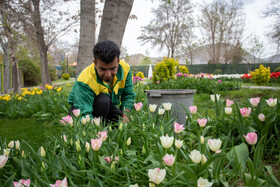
{"x": 31, "y": 72}
{"x": 165, "y": 70}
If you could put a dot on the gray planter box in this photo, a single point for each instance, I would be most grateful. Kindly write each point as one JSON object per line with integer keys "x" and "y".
{"x": 177, "y": 97}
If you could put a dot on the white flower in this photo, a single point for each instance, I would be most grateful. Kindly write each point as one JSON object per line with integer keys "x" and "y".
{"x": 166, "y": 141}
{"x": 204, "y": 159}
{"x": 87, "y": 118}
{"x": 213, "y": 97}
{"x": 6, "y": 152}
{"x": 178, "y": 143}
{"x": 167, "y": 106}
{"x": 87, "y": 147}
{"x": 11, "y": 144}
{"x": 195, "y": 156}
{"x": 203, "y": 182}
{"x": 228, "y": 110}
{"x": 201, "y": 139}
{"x": 96, "y": 121}
{"x": 156, "y": 175}
{"x": 261, "y": 117}
{"x": 271, "y": 102}
{"x": 152, "y": 107}
{"x": 161, "y": 111}
{"x": 128, "y": 142}
{"x": 135, "y": 185}
{"x": 17, "y": 144}
{"x": 214, "y": 144}
{"x": 83, "y": 120}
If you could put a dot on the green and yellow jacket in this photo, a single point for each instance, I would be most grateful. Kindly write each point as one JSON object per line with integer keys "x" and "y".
{"x": 88, "y": 85}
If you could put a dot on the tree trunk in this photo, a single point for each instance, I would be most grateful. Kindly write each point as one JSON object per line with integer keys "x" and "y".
{"x": 43, "y": 48}
{"x": 15, "y": 72}
{"x": 7, "y": 71}
{"x": 114, "y": 19}
{"x": 87, "y": 35}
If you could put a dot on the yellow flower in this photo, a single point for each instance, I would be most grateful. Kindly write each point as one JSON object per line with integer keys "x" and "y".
{"x": 50, "y": 87}
{"x": 68, "y": 84}
{"x": 39, "y": 92}
{"x": 20, "y": 98}
{"x": 58, "y": 89}
{"x": 32, "y": 93}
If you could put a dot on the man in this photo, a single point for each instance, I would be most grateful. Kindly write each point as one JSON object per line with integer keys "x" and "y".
{"x": 103, "y": 85}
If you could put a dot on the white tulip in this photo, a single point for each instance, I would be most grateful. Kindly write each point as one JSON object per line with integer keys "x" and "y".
{"x": 203, "y": 182}
{"x": 166, "y": 141}
{"x": 167, "y": 106}
{"x": 195, "y": 156}
{"x": 156, "y": 175}
{"x": 214, "y": 144}
{"x": 152, "y": 107}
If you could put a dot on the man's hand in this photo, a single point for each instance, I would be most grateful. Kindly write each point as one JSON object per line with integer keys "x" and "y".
{"x": 125, "y": 118}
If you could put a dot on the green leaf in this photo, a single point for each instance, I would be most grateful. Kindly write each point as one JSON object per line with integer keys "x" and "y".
{"x": 241, "y": 153}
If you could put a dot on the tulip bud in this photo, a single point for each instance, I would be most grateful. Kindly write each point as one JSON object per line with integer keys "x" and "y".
{"x": 87, "y": 118}
{"x": 71, "y": 141}
{"x": 78, "y": 147}
{"x": 23, "y": 154}
{"x": 11, "y": 144}
{"x": 43, "y": 165}
{"x": 17, "y": 145}
{"x": 228, "y": 110}
{"x": 120, "y": 126}
{"x": 144, "y": 150}
{"x": 144, "y": 126}
{"x": 83, "y": 121}
{"x": 261, "y": 117}
{"x": 87, "y": 147}
{"x": 201, "y": 139}
{"x": 42, "y": 152}
{"x": 84, "y": 133}
{"x": 128, "y": 142}
{"x": 203, "y": 160}
{"x": 113, "y": 166}
{"x": 6, "y": 152}
{"x": 121, "y": 152}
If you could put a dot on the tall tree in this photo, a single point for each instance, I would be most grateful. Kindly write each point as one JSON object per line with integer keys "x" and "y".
{"x": 222, "y": 25}
{"x": 87, "y": 34}
{"x": 170, "y": 27}
{"x": 273, "y": 10}
{"x": 114, "y": 20}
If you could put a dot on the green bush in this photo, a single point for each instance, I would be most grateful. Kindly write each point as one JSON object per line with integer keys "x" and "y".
{"x": 31, "y": 72}
{"x": 277, "y": 69}
{"x": 52, "y": 71}
{"x": 261, "y": 76}
{"x": 183, "y": 69}
{"x": 65, "y": 76}
{"x": 140, "y": 74}
{"x": 165, "y": 70}
{"x": 218, "y": 72}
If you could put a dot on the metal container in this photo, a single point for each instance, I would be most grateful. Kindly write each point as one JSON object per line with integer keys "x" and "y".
{"x": 177, "y": 97}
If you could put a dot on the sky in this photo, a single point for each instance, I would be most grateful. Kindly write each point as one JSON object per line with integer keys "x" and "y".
{"x": 255, "y": 24}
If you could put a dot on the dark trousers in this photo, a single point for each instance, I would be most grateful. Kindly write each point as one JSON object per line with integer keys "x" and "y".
{"x": 103, "y": 107}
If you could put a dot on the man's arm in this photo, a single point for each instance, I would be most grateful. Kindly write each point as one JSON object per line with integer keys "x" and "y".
{"x": 128, "y": 96}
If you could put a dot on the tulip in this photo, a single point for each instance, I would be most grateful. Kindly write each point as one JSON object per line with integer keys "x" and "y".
{"x": 23, "y": 154}
{"x": 6, "y": 152}
{"x": 22, "y": 183}
{"x": 201, "y": 139}
{"x": 87, "y": 118}
{"x": 103, "y": 135}
{"x": 11, "y": 144}
{"x": 195, "y": 156}
{"x": 134, "y": 185}
{"x": 144, "y": 150}
{"x": 255, "y": 101}
{"x": 229, "y": 103}
{"x": 228, "y": 110}
{"x": 203, "y": 159}
{"x": 64, "y": 138}
{"x": 178, "y": 128}
{"x": 271, "y": 102}
{"x": 166, "y": 141}
{"x": 178, "y": 143}
{"x": 96, "y": 144}
{"x": 156, "y": 175}
{"x": 261, "y": 117}
{"x": 108, "y": 159}
{"x": 67, "y": 119}
{"x": 87, "y": 147}
{"x": 3, "y": 160}
{"x": 202, "y": 122}
{"x": 213, "y": 97}
{"x": 167, "y": 106}
{"x": 17, "y": 144}
{"x": 161, "y": 111}
{"x": 128, "y": 142}
{"x": 59, "y": 183}
{"x": 203, "y": 182}
{"x": 215, "y": 144}
{"x": 96, "y": 121}
{"x": 117, "y": 159}
{"x": 83, "y": 121}
{"x": 218, "y": 151}
{"x": 76, "y": 112}
{"x": 193, "y": 109}
{"x": 251, "y": 138}
{"x": 78, "y": 147}
{"x": 84, "y": 133}
{"x": 245, "y": 112}
{"x": 138, "y": 106}
{"x": 169, "y": 159}
{"x": 42, "y": 152}
{"x": 152, "y": 185}
{"x": 120, "y": 126}
{"x": 152, "y": 107}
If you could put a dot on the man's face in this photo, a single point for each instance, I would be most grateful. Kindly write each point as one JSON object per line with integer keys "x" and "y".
{"x": 105, "y": 71}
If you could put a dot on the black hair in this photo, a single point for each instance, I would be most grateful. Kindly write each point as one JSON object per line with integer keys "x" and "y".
{"x": 106, "y": 51}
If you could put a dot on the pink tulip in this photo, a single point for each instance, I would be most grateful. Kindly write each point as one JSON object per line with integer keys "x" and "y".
{"x": 157, "y": 82}
{"x": 193, "y": 109}
{"x": 96, "y": 144}
{"x": 255, "y": 101}
{"x": 202, "y": 122}
{"x": 229, "y": 103}
{"x": 22, "y": 183}
{"x": 245, "y": 112}
{"x": 102, "y": 135}
{"x": 76, "y": 112}
{"x": 219, "y": 81}
{"x": 169, "y": 159}
{"x": 60, "y": 183}
{"x": 271, "y": 102}
{"x": 108, "y": 159}
{"x": 178, "y": 128}
{"x": 3, "y": 160}
{"x": 138, "y": 106}
{"x": 67, "y": 119}
{"x": 261, "y": 117}
{"x": 251, "y": 138}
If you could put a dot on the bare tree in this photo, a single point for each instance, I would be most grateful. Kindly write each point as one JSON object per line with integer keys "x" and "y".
{"x": 114, "y": 20}
{"x": 273, "y": 10}
{"x": 87, "y": 34}
{"x": 222, "y": 25}
{"x": 170, "y": 27}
